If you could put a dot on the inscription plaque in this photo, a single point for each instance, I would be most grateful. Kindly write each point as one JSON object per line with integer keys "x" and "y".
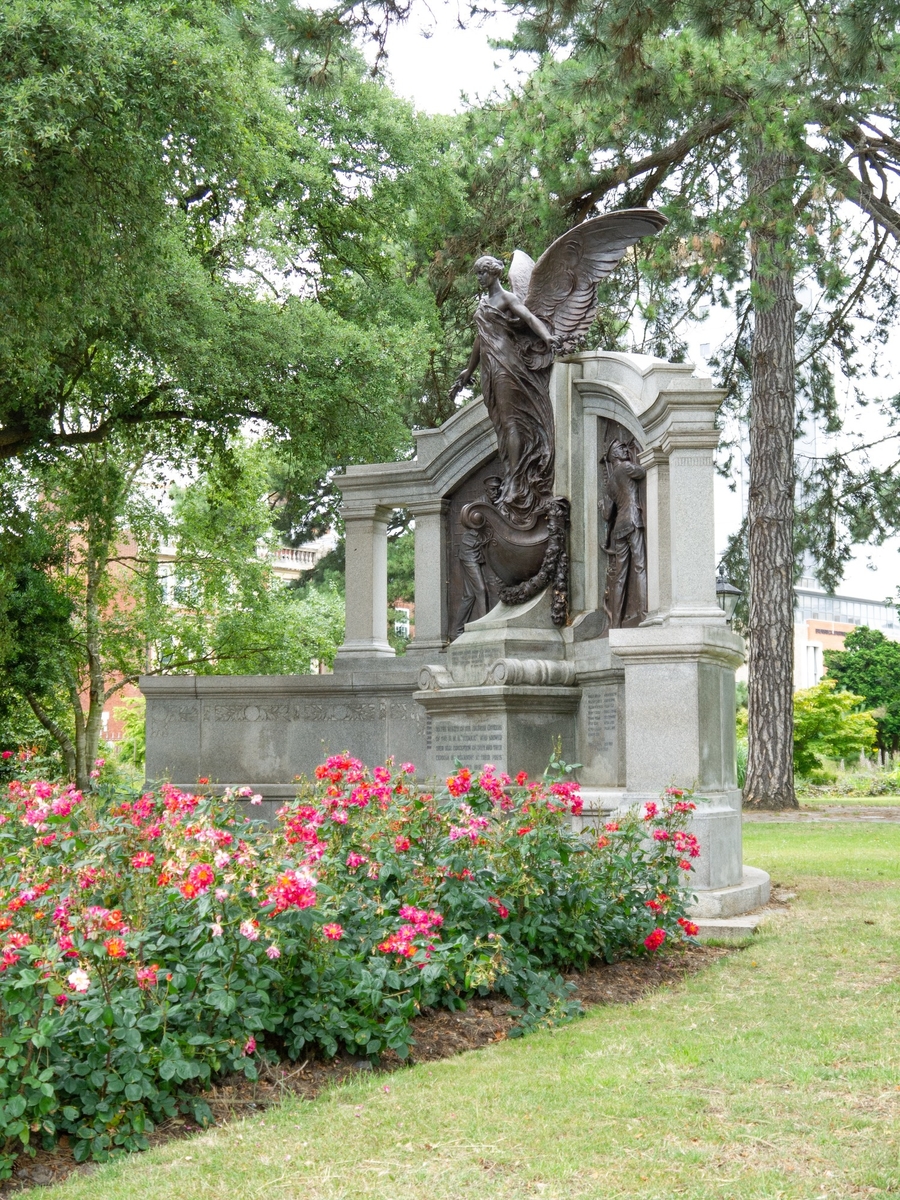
{"x": 691, "y": 460}
{"x": 473, "y": 656}
{"x": 475, "y": 743}
{"x": 602, "y": 719}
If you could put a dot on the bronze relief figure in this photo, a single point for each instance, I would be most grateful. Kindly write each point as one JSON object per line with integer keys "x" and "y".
{"x": 625, "y": 599}
{"x": 522, "y": 532}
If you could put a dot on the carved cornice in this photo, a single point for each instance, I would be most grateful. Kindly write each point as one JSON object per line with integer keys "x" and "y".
{"x": 446, "y": 457}
{"x": 660, "y": 645}
{"x": 358, "y": 509}
{"x": 683, "y": 411}
{"x": 474, "y": 700}
{"x": 428, "y": 508}
{"x": 690, "y": 439}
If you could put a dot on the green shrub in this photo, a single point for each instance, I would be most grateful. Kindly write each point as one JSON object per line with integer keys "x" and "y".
{"x": 828, "y": 724}
{"x": 853, "y": 781}
{"x": 822, "y": 777}
{"x": 132, "y": 747}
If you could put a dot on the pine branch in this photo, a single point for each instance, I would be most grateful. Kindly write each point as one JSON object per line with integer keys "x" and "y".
{"x": 660, "y": 163}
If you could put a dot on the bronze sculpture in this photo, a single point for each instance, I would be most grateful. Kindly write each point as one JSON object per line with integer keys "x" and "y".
{"x": 475, "y": 590}
{"x": 515, "y": 351}
{"x": 625, "y": 601}
{"x": 551, "y": 306}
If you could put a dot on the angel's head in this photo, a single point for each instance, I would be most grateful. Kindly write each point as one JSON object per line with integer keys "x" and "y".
{"x": 487, "y": 268}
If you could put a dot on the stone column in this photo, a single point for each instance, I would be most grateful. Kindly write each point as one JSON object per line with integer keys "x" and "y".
{"x": 431, "y": 576}
{"x": 681, "y": 548}
{"x": 692, "y": 532}
{"x": 365, "y": 633}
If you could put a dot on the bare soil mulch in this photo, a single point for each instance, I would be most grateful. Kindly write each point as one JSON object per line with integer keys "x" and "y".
{"x": 439, "y": 1033}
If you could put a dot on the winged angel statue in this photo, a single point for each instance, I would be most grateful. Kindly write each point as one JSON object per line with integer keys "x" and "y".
{"x": 552, "y": 304}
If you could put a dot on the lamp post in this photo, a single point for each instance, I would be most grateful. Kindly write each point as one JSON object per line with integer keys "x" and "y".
{"x": 727, "y": 595}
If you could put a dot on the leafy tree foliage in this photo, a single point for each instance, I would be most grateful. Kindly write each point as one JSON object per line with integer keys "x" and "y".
{"x": 132, "y": 747}
{"x": 869, "y": 665}
{"x": 221, "y": 610}
{"x": 187, "y": 231}
{"x": 34, "y": 616}
{"x": 828, "y": 724}
{"x": 402, "y": 567}
{"x": 100, "y": 610}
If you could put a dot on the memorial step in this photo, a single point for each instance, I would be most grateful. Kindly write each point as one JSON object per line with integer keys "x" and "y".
{"x": 727, "y": 929}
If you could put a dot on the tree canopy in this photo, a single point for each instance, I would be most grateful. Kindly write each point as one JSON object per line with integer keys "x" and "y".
{"x": 869, "y": 665}
{"x": 190, "y": 238}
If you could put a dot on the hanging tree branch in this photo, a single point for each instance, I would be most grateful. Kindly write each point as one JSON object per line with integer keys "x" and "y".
{"x": 660, "y": 162}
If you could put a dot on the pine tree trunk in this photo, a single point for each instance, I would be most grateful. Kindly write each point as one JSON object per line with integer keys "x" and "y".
{"x": 770, "y": 759}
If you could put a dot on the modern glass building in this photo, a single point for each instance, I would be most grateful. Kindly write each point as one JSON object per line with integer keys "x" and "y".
{"x": 821, "y": 622}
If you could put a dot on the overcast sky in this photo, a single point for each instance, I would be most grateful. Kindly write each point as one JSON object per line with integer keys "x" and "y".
{"x": 434, "y": 63}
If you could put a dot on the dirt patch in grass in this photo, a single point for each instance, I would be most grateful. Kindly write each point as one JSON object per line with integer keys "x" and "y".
{"x": 438, "y": 1033}
{"x": 820, "y": 813}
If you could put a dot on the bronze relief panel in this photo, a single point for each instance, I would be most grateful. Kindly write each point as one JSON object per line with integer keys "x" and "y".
{"x": 623, "y": 533}
{"x": 472, "y": 586}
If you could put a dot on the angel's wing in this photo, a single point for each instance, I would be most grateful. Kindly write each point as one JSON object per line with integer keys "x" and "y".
{"x": 520, "y": 273}
{"x": 563, "y": 286}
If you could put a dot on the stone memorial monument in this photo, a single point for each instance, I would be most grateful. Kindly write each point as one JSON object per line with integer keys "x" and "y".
{"x": 564, "y": 586}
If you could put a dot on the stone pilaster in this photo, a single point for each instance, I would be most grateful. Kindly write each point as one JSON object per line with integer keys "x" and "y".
{"x": 679, "y": 731}
{"x": 365, "y": 633}
{"x": 431, "y": 576}
{"x": 681, "y": 549}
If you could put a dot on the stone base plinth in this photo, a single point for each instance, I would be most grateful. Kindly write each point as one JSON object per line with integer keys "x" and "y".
{"x": 504, "y": 694}
{"x": 264, "y": 730}
{"x": 515, "y": 728}
{"x": 679, "y": 706}
{"x": 724, "y": 887}
{"x": 730, "y": 929}
{"x": 721, "y": 903}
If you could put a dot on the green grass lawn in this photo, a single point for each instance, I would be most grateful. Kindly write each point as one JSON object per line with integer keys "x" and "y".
{"x": 818, "y": 858}
{"x": 773, "y": 1074}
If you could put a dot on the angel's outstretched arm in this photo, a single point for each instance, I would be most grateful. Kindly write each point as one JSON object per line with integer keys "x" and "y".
{"x": 463, "y": 378}
{"x": 518, "y": 309}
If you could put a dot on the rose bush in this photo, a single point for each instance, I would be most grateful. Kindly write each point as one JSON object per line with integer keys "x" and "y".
{"x": 149, "y": 943}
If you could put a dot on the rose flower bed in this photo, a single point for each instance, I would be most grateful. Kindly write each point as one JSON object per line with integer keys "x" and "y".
{"x": 153, "y": 944}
